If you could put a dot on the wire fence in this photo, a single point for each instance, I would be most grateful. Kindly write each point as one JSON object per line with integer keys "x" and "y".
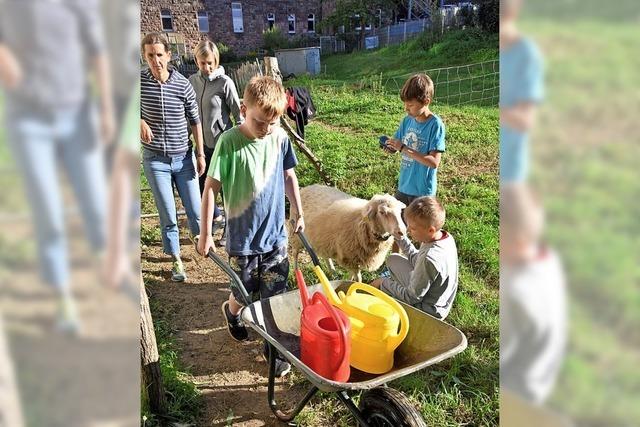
{"x": 477, "y": 84}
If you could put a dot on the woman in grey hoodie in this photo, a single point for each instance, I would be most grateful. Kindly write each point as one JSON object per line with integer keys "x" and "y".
{"x": 218, "y": 100}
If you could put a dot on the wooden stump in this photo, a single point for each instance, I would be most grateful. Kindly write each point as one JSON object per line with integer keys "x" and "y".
{"x": 271, "y": 68}
{"x": 151, "y": 374}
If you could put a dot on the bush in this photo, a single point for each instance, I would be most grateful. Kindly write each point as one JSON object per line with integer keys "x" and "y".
{"x": 489, "y": 15}
{"x": 226, "y": 53}
{"x": 273, "y": 39}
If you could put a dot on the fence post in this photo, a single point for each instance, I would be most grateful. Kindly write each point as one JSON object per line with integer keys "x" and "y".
{"x": 404, "y": 34}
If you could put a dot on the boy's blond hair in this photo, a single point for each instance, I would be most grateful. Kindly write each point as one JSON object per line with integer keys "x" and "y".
{"x": 155, "y": 38}
{"x": 266, "y": 94}
{"x": 428, "y": 210}
{"x": 206, "y": 48}
{"x": 419, "y": 88}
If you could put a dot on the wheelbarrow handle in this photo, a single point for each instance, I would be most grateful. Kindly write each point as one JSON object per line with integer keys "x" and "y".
{"x": 307, "y": 246}
{"x": 235, "y": 280}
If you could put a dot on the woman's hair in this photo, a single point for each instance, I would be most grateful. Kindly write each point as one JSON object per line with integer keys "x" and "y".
{"x": 206, "y": 48}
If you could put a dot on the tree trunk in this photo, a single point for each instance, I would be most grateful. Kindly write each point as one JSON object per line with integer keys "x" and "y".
{"x": 271, "y": 68}
{"x": 151, "y": 375}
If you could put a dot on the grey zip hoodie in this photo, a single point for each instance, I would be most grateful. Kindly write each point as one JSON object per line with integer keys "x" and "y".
{"x": 218, "y": 100}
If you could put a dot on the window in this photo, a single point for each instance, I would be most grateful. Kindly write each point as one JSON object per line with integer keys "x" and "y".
{"x": 167, "y": 20}
{"x": 236, "y": 14}
{"x": 367, "y": 26}
{"x": 271, "y": 20}
{"x": 358, "y": 25}
{"x": 203, "y": 21}
{"x": 292, "y": 24}
{"x": 311, "y": 23}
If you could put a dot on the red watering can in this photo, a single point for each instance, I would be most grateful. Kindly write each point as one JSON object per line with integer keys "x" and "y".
{"x": 325, "y": 335}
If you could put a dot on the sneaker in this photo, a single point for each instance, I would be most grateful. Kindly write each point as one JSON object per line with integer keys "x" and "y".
{"x": 67, "y": 321}
{"x": 177, "y": 272}
{"x": 235, "y": 326}
{"x": 282, "y": 366}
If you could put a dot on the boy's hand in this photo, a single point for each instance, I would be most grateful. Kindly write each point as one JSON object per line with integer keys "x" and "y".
{"x": 394, "y": 144}
{"x": 11, "y": 74}
{"x": 298, "y": 225}
{"x": 201, "y": 165}
{"x": 204, "y": 244}
{"x": 145, "y": 132}
{"x": 376, "y": 283}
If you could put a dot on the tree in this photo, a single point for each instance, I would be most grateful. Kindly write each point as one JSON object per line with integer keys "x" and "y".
{"x": 489, "y": 15}
{"x": 356, "y": 13}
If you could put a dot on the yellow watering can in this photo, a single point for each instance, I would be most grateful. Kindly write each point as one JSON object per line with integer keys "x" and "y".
{"x": 378, "y": 322}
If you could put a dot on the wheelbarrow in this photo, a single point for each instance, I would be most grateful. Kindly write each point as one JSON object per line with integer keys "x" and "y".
{"x": 277, "y": 320}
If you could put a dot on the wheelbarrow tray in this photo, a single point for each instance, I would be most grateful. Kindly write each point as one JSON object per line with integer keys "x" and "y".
{"x": 429, "y": 341}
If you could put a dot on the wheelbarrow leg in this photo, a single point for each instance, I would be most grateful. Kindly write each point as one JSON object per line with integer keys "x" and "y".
{"x": 282, "y": 415}
{"x": 346, "y": 399}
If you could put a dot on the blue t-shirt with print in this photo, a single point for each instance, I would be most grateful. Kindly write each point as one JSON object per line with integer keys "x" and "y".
{"x": 417, "y": 179}
{"x": 521, "y": 80}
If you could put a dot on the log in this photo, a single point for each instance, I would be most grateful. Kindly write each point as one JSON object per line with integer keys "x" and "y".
{"x": 150, "y": 360}
{"x": 301, "y": 144}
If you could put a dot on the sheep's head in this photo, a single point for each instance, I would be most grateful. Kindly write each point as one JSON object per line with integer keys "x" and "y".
{"x": 384, "y": 212}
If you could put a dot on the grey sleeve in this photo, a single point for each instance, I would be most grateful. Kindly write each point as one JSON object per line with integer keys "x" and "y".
{"x": 190, "y": 104}
{"x": 422, "y": 277}
{"x": 408, "y": 249}
{"x": 232, "y": 100}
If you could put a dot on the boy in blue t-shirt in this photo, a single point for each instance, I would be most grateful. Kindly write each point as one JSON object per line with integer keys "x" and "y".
{"x": 420, "y": 140}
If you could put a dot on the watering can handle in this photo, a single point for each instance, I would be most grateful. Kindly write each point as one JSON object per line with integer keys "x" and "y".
{"x": 309, "y": 249}
{"x": 342, "y": 329}
{"x": 394, "y": 340}
{"x": 235, "y": 280}
{"x": 328, "y": 289}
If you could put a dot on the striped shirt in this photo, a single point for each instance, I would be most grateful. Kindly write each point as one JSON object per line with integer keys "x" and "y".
{"x": 166, "y": 107}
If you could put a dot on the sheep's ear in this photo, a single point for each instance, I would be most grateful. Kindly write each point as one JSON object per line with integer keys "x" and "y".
{"x": 369, "y": 211}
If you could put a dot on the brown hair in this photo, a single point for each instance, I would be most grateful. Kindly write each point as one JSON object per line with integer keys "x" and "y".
{"x": 155, "y": 38}
{"x": 428, "y": 210}
{"x": 205, "y": 48}
{"x": 419, "y": 87}
{"x": 267, "y": 94}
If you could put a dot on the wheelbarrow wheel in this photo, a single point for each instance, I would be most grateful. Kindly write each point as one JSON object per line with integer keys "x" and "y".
{"x": 386, "y": 407}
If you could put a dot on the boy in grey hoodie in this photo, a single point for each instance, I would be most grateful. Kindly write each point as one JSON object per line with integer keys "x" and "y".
{"x": 426, "y": 278}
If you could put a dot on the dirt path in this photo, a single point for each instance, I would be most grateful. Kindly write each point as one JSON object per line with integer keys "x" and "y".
{"x": 232, "y": 376}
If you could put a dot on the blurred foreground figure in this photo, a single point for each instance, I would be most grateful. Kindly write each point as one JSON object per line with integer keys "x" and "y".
{"x": 52, "y": 124}
{"x": 56, "y": 99}
{"x": 521, "y": 89}
{"x": 533, "y": 304}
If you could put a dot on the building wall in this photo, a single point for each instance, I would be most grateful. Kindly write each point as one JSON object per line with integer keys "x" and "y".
{"x": 254, "y": 13}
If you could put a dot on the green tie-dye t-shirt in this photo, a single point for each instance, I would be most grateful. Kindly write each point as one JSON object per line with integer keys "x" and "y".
{"x": 252, "y": 177}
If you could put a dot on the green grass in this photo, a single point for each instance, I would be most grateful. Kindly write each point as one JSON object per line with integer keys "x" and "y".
{"x": 354, "y": 109}
{"x": 463, "y": 390}
{"x": 183, "y": 398}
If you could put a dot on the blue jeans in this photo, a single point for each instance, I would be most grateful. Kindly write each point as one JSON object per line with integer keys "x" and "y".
{"x": 163, "y": 171}
{"x": 39, "y": 141}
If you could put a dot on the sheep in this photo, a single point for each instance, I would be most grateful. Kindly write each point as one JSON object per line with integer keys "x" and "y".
{"x": 356, "y": 233}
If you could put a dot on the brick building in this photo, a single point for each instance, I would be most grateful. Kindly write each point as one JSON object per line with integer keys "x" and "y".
{"x": 237, "y": 24}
